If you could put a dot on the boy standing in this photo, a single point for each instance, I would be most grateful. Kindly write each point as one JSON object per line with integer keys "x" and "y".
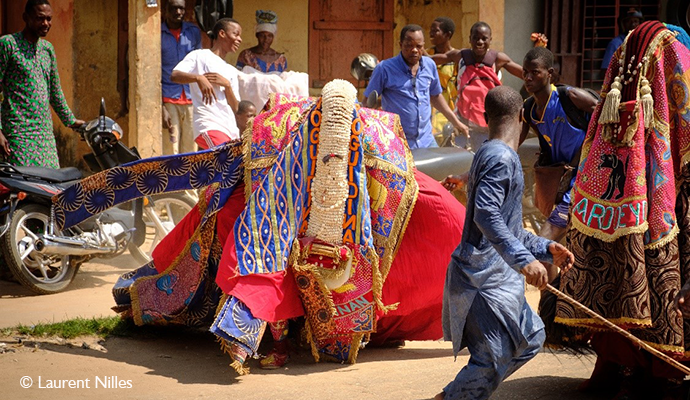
{"x": 478, "y": 71}
{"x": 552, "y": 114}
{"x": 484, "y": 306}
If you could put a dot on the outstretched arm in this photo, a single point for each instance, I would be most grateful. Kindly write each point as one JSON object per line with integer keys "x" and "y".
{"x": 445, "y": 58}
{"x": 440, "y": 104}
{"x": 503, "y": 61}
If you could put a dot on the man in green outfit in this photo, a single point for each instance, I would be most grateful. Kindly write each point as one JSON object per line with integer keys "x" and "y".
{"x": 30, "y": 85}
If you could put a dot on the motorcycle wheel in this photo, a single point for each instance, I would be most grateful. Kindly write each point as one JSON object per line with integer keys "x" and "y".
{"x": 160, "y": 218}
{"x": 42, "y": 274}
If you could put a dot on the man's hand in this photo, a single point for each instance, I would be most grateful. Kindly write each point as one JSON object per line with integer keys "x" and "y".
{"x": 217, "y": 79}
{"x": 453, "y": 182}
{"x": 77, "y": 124}
{"x": 682, "y": 301}
{"x": 462, "y": 128}
{"x": 562, "y": 257}
{"x": 535, "y": 274}
{"x": 167, "y": 122}
{"x": 4, "y": 145}
{"x": 207, "y": 92}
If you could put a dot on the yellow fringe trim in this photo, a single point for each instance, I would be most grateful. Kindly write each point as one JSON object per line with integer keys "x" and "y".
{"x": 665, "y": 240}
{"x": 239, "y": 368}
{"x": 354, "y": 348}
{"x": 592, "y": 323}
{"x": 620, "y": 232}
{"x": 312, "y": 344}
{"x": 609, "y": 203}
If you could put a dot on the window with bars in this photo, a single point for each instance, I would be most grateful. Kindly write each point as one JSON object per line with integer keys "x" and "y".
{"x": 600, "y": 26}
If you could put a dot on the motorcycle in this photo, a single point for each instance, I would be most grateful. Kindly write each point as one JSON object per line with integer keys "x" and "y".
{"x": 46, "y": 260}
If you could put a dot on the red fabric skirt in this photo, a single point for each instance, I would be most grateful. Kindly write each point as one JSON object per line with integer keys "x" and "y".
{"x": 415, "y": 279}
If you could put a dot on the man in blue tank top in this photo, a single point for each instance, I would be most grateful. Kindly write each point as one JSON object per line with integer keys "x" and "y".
{"x": 548, "y": 117}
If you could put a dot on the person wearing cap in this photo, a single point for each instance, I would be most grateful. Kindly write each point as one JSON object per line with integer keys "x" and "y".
{"x": 628, "y": 22}
{"x": 262, "y": 57}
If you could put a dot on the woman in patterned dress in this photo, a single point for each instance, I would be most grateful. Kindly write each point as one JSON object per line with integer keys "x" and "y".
{"x": 262, "y": 57}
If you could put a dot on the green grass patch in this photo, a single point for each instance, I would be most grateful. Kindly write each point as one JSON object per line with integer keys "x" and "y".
{"x": 103, "y": 327}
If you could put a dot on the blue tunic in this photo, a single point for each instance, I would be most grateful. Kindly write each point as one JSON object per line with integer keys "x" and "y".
{"x": 484, "y": 306}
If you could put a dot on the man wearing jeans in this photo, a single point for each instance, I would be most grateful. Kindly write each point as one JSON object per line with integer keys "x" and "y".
{"x": 178, "y": 38}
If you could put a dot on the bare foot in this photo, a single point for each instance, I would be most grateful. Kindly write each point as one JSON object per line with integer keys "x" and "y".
{"x": 440, "y": 396}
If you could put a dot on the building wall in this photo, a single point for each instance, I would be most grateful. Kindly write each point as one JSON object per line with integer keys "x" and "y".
{"x": 293, "y": 29}
{"x": 463, "y": 12}
{"x": 61, "y": 36}
{"x": 525, "y": 17}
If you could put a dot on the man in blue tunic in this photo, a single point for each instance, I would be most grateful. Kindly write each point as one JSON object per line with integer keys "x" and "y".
{"x": 484, "y": 306}
{"x": 409, "y": 86}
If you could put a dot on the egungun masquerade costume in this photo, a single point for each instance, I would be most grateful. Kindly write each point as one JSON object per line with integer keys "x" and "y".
{"x": 630, "y": 220}
{"x": 328, "y": 195}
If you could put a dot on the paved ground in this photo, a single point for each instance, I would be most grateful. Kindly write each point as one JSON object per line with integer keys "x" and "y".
{"x": 175, "y": 364}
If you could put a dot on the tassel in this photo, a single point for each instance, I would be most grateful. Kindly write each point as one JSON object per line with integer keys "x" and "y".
{"x": 240, "y": 368}
{"x": 609, "y": 112}
{"x": 647, "y": 103}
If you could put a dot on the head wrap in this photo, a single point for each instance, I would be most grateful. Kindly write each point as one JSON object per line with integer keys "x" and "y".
{"x": 266, "y": 21}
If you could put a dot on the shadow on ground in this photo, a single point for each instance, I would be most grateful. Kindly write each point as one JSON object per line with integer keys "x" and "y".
{"x": 163, "y": 350}
{"x": 92, "y": 274}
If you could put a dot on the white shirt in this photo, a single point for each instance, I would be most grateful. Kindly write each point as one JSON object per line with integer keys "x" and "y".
{"x": 217, "y": 116}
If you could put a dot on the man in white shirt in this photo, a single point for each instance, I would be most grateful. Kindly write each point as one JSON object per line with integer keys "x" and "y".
{"x": 215, "y": 88}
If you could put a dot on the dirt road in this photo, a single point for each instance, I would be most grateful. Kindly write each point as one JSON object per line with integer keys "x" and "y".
{"x": 180, "y": 364}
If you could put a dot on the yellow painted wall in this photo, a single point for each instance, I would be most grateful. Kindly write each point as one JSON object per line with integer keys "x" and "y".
{"x": 463, "y": 12}
{"x": 292, "y": 37}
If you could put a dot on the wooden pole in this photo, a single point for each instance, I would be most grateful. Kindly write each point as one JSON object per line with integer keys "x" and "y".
{"x": 618, "y": 329}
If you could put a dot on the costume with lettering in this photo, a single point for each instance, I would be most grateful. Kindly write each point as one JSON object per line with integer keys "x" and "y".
{"x": 630, "y": 212}
{"x": 322, "y": 221}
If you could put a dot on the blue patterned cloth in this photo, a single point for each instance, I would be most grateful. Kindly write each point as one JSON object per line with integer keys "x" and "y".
{"x": 279, "y": 204}
{"x": 484, "y": 306}
{"x": 236, "y": 324}
{"x": 91, "y": 196}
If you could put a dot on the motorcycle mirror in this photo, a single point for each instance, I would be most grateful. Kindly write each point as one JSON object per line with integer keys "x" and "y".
{"x": 373, "y": 99}
{"x": 102, "y": 107}
{"x": 447, "y": 130}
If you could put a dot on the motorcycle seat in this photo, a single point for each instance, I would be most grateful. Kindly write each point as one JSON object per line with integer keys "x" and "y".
{"x": 52, "y": 175}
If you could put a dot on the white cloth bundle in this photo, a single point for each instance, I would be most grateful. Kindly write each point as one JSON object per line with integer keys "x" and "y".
{"x": 255, "y": 85}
